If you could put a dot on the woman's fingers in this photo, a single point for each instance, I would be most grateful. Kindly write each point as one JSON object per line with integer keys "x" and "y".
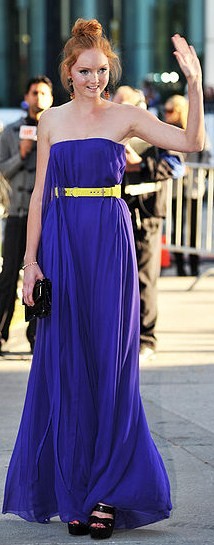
{"x": 28, "y": 294}
{"x": 28, "y": 286}
{"x": 180, "y": 44}
{"x": 193, "y": 51}
{"x": 186, "y": 57}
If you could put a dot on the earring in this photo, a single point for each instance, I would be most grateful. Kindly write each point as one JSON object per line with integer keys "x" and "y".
{"x": 71, "y": 88}
{"x": 106, "y": 93}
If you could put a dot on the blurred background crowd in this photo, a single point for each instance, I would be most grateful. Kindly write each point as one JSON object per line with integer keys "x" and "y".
{"x": 33, "y": 33}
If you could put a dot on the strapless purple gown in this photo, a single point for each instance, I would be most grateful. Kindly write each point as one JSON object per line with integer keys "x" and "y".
{"x": 83, "y": 436}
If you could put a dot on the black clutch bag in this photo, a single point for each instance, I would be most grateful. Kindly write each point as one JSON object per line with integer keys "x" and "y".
{"x": 42, "y": 292}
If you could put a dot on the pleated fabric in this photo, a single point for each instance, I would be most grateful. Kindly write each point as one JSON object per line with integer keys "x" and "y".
{"x": 83, "y": 436}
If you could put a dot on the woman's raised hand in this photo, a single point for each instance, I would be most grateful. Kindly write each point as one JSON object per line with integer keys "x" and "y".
{"x": 187, "y": 58}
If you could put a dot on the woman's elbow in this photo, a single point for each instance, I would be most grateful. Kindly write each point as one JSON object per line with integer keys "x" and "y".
{"x": 196, "y": 145}
{"x": 200, "y": 147}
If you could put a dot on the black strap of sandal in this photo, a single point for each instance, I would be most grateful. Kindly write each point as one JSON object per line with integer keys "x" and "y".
{"x": 104, "y": 509}
{"x": 107, "y": 522}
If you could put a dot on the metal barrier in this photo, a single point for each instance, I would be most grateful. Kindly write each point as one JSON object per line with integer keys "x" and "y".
{"x": 198, "y": 186}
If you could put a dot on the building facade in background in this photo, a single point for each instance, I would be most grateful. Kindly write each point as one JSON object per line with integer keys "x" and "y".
{"x": 33, "y": 32}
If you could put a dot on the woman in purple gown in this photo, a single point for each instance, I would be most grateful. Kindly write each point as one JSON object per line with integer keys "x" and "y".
{"x": 84, "y": 450}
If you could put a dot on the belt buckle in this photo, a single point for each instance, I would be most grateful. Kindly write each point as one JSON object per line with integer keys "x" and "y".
{"x": 74, "y": 192}
{"x": 60, "y": 192}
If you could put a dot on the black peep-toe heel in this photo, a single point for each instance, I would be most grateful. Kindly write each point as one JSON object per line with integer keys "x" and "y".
{"x": 104, "y": 532}
{"x": 77, "y": 528}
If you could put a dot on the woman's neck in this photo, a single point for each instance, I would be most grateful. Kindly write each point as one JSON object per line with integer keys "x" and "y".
{"x": 87, "y": 106}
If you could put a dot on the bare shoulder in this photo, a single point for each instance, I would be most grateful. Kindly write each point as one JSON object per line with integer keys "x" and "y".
{"x": 52, "y": 113}
{"x": 50, "y": 118}
{"x": 122, "y": 109}
{"x": 126, "y": 116}
{"x": 45, "y": 119}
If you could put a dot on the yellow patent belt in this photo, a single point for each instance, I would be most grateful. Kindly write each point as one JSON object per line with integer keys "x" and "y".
{"x": 114, "y": 191}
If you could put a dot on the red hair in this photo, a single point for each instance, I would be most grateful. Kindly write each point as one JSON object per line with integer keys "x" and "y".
{"x": 88, "y": 35}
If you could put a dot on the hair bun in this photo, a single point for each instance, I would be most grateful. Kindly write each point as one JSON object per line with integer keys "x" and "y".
{"x": 87, "y": 34}
{"x": 91, "y": 28}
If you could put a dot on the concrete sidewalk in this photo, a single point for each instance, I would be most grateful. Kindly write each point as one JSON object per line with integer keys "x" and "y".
{"x": 177, "y": 390}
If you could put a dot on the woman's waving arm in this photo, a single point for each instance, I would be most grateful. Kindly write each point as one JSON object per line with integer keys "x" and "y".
{"x": 148, "y": 127}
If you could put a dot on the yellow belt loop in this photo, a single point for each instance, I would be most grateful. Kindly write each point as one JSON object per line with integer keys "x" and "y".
{"x": 114, "y": 191}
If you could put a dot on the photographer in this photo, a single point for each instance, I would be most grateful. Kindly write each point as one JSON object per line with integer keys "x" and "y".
{"x": 18, "y": 148}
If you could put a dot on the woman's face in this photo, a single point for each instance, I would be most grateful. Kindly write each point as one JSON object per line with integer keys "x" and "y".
{"x": 171, "y": 115}
{"x": 90, "y": 73}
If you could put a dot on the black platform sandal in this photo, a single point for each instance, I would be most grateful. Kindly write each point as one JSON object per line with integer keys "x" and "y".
{"x": 106, "y": 530}
{"x": 77, "y": 528}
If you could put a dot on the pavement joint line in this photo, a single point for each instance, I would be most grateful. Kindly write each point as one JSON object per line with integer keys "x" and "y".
{"x": 80, "y": 541}
{"x": 192, "y": 526}
{"x": 176, "y": 444}
{"x": 159, "y": 406}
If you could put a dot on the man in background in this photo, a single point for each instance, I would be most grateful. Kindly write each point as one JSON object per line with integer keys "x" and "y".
{"x": 144, "y": 186}
{"x": 18, "y": 146}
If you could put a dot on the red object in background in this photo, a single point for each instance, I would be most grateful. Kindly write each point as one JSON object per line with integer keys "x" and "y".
{"x": 165, "y": 255}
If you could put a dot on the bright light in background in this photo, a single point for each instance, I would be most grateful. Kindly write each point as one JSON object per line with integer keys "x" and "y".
{"x": 171, "y": 77}
{"x": 165, "y": 77}
{"x": 157, "y": 77}
{"x": 174, "y": 77}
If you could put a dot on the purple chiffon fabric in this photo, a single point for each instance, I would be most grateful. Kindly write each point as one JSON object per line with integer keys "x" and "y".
{"x": 83, "y": 436}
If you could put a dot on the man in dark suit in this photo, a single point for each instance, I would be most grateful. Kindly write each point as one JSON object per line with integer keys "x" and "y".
{"x": 18, "y": 165}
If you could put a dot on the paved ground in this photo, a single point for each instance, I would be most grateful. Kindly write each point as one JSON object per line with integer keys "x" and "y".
{"x": 177, "y": 389}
